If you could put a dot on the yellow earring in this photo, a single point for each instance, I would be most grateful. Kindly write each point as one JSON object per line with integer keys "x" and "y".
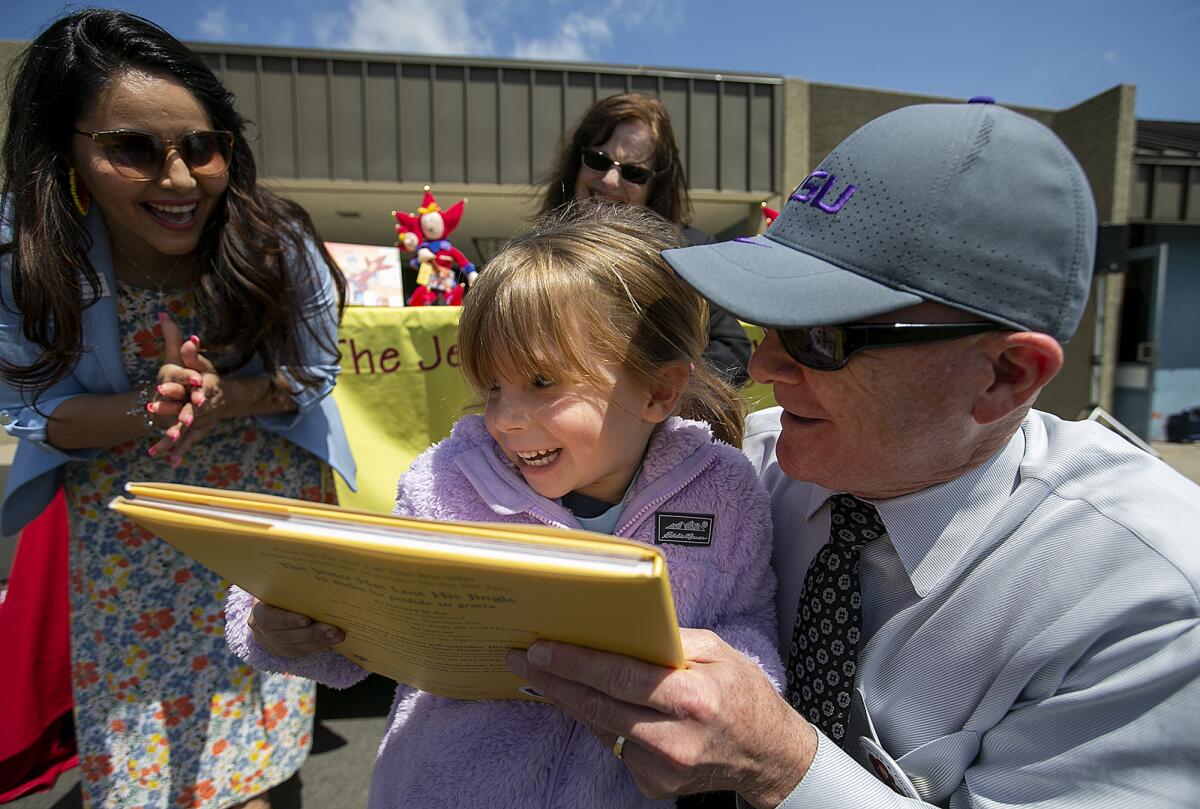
{"x": 79, "y": 193}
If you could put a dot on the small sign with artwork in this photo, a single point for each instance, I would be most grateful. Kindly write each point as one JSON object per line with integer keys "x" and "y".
{"x": 372, "y": 273}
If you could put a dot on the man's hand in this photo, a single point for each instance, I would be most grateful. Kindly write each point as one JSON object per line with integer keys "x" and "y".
{"x": 718, "y": 724}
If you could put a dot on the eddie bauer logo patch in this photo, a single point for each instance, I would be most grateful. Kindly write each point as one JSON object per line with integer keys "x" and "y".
{"x": 682, "y": 529}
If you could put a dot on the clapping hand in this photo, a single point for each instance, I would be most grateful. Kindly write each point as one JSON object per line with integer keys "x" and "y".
{"x": 189, "y": 389}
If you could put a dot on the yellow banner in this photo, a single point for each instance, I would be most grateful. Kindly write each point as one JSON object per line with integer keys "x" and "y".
{"x": 400, "y": 391}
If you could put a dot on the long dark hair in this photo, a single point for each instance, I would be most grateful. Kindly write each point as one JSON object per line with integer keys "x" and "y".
{"x": 668, "y": 195}
{"x": 255, "y": 270}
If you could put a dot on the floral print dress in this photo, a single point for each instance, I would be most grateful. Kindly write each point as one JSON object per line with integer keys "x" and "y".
{"x": 165, "y": 715}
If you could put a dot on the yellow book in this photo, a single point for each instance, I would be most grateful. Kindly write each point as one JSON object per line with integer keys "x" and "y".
{"x": 436, "y": 605}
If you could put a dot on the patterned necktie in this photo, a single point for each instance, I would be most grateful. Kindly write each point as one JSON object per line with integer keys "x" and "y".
{"x": 824, "y": 653}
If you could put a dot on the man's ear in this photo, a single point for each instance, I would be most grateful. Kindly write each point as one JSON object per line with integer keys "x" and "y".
{"x": 662, "y": 399}
{"x": 1021, "y": 364}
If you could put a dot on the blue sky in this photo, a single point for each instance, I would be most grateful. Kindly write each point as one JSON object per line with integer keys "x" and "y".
{"x": 1052, "y": 53}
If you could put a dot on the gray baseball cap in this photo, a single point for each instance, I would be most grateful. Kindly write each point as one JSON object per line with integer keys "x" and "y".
{"x": 970, "y": 205}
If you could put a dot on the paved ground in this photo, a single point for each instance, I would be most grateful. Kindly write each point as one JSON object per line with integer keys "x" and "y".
{"x": 1184, "y": 457}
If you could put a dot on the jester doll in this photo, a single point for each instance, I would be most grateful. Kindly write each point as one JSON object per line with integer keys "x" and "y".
{"x": 442, "y": 269}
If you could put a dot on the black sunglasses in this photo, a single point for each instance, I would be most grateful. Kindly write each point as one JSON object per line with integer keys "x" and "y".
{"x": 597, "y": 160}
{"x": 142, "y": 155}
{"x": 827, "y": 348}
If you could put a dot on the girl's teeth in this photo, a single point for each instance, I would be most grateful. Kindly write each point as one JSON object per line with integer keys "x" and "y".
{"x": 539, "y": 458}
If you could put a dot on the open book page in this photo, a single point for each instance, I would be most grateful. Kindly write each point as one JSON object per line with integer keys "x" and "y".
{"x": 434, "y": 605}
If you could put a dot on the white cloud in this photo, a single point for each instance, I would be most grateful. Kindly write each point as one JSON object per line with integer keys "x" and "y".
{"x": 1191, "y": 12}
{"x": 214, "y": 24}
{"x": 577, "y": 39}
{"x": 287, "y": 33}
{"x": 661, "y": 15}
{"x": 587, "y": 31}
{"x": 1110, "y": 57}
{"x": 409, "y": 26}
{"x": 579, "y": 30}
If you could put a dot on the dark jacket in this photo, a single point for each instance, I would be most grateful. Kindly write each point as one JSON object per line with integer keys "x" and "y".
{"x": 728, "y": 351}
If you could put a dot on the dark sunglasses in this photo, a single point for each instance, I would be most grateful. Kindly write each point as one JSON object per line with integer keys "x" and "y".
{"x": 827, "y": 348}
{"x": 597, "y": 160}
{"x": 141, "y": 155}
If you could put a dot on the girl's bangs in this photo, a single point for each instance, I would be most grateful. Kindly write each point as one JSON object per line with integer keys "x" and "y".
{"x": 531, "y": 330}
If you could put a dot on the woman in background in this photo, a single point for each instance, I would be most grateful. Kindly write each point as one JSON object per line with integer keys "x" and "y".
{"x": 624, "y": 151}
{"x": 130, "y": 217}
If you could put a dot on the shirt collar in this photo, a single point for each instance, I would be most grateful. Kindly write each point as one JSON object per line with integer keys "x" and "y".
{"x": 933, "y": 528}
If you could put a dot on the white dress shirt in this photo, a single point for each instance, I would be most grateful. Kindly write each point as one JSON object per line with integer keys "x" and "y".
{"x": 1031, "y": 630}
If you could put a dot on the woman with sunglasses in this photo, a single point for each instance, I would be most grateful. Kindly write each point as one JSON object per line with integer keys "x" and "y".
{"x": 130, "y": 216}
{"x": 623, "y": 151}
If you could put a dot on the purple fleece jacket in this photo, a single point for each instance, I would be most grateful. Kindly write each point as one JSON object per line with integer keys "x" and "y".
{"x": 504, "y": 753}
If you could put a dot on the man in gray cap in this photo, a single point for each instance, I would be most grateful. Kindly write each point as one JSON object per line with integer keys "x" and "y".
{"x": 980, "y": 605}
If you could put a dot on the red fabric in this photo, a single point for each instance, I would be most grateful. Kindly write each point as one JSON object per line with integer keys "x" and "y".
{"x": 424, "y": 296}
{"x": 37, "y": 742}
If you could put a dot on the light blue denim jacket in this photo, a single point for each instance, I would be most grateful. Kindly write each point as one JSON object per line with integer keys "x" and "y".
{"x": 37, "y": 467}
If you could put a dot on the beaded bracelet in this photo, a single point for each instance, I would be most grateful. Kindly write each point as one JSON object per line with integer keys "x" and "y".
{"x": 145, "y": 396}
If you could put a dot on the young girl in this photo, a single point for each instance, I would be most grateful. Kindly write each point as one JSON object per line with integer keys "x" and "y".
{"x": 586, "y": 351}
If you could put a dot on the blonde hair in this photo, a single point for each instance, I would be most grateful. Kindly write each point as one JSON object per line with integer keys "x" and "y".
{"x": 587, "y": 283}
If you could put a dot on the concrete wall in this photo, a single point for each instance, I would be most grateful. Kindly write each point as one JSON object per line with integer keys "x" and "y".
{"x": 795, "y": 153}
{"x": 1070, "y": 393}
{"x": 1101, "y": 132}
{"x": 837, "y": 110}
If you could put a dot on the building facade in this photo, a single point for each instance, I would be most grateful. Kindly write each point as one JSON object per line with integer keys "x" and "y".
{"x": 1158, "y": 350}
{"x": 352, "y": 136}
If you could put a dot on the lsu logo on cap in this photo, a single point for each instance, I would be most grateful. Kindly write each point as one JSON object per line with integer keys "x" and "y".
{"x": 682, "y": 529}
{"x": 814, "y": 188}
